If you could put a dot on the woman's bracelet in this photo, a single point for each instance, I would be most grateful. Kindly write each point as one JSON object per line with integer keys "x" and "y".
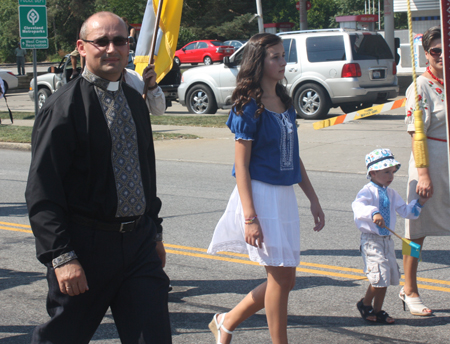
{"x": 250, "y": 220}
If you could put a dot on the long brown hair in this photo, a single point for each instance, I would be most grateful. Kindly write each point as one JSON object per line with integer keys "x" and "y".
{"x": 248, "y": 80}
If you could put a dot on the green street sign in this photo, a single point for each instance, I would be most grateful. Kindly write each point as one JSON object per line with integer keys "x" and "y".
{"x": 33, "y": 21}
{"x": 32, "y": 2}
{"x": 34, "y": 43}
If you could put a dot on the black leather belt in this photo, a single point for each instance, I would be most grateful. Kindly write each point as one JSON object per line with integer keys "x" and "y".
{"x": 123, "y": 227}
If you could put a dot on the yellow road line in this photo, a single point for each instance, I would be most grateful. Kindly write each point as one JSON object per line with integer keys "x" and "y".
{"x": 242, "y": 261}
{"x": 16, "y": 229}
{"x": 249, "y": 262}
{"x": 14, "y": 224}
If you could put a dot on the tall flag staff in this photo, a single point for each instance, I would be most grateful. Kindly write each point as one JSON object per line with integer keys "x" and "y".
{"x": 445, "y": 24}
{"x": 160, "y": 29}
{"x": 420, "y": 147}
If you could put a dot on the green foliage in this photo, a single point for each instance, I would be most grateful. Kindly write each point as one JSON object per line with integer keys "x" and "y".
{"x": 185, "y": 36}
{"x": 9, "y": 29}
{"x": 132, "y": 10}
{"x": 238, "y": 28}
{"x": 201, "y": 19}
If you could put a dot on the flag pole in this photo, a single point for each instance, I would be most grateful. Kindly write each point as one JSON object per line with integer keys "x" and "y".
{"x": 152, "y": 46}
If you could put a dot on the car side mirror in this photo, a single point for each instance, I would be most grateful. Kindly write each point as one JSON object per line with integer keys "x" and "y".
{"x": 226, "y": 61}
{"x": 184, "y": 49}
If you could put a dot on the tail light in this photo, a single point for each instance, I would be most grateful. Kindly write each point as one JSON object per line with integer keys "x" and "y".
{"x": 351, "y": 70}
{"x": 394, "y": 68}
{"x": 11, "y": 73}
{"x": 220, "y": 50}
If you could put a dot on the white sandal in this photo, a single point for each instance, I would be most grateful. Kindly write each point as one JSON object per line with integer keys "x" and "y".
{"x": 415, "y": 304}
{"x": 215, "y": 327}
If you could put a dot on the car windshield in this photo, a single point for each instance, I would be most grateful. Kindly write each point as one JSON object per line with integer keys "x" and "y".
{"x": 369, "y": 47}
{"x": 217, "y": 43}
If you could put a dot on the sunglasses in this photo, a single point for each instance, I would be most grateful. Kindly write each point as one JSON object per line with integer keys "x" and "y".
{"x": 435, "y": 51}
{"x": 104, "y": 42}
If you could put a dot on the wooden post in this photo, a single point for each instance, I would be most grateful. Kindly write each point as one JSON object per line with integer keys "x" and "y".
{"x": 152, "y": 47}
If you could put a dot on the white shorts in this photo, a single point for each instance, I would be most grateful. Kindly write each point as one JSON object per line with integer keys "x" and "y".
{"x": 380, "y": 263}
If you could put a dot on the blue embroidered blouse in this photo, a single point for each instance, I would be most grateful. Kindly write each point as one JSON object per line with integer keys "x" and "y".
{"x": 275, "y": 157}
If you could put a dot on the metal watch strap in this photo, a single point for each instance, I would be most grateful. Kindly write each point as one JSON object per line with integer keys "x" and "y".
{"x": 159, "y": 237}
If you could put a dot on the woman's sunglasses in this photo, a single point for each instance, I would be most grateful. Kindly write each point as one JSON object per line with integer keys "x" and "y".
{"x": 435, "y": 51}
{"x": 103, "y": 42}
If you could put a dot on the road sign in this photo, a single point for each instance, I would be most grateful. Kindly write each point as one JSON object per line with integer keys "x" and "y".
{"x": 297, "y": 5}
{"x": 34, "y": 43}
{"x": 33, "y": 21}
{"x": 32, "y": 2}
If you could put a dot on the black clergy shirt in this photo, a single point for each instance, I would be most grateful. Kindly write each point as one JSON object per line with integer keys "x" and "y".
{"x": 71, "y": 170}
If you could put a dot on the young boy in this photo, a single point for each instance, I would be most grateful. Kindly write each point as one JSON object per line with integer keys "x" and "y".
{"x": 374, "y": 209}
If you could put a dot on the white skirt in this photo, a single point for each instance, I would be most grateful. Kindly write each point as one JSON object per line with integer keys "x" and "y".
{"x": 277, "y": 210}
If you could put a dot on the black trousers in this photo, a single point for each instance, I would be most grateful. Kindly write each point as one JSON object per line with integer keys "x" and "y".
{"x": 123, "y": 272}
{"x": 20, "y": 60}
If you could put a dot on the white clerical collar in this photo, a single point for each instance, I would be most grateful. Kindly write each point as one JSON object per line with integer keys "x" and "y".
{"x": 113, "y": 86}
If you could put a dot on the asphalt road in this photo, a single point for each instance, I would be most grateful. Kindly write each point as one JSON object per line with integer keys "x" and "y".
{"x": 194, "y": 183}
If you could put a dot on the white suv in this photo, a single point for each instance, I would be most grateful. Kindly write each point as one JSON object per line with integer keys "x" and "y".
{"x": 325, "y": 68}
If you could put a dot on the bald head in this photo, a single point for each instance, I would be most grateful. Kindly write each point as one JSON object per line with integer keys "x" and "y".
{"x": 92, "y": 22}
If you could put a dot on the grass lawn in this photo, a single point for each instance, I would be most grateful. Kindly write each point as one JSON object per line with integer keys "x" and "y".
{"x": 191, "y": 121}
{"x": 17, "y": 134}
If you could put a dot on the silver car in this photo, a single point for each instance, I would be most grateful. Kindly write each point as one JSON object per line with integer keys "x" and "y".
{"x": 325, "y": 68}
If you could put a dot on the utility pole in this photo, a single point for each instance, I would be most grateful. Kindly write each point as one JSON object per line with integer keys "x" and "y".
{"x": 259, "y": 13}
{"x": 389, "y": 25}
{"x": 303, "y": 17}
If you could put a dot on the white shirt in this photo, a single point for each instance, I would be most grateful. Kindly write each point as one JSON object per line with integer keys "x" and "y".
{"x": 367, "y": 202}
{"x": 156, "y": 101}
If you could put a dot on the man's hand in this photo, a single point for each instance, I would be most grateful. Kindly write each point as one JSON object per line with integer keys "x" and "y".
{"x": 71, "y": 278}
{"x": 150, "y": 75}
{"x": 161, "y": 251}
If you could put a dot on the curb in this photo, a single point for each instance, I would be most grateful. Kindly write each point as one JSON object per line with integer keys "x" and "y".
{"x": 16, "y": 146}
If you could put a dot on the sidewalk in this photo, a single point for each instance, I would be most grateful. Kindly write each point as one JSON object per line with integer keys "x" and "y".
{"x": 339, "y": 148}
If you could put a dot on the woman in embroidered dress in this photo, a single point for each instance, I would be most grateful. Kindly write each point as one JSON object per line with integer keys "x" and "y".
{"x": 433, "y": 181}
{"x": 262, "y": 217}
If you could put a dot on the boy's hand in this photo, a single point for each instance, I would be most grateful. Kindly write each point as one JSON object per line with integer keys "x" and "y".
{"x": 378, "y": 220}
{"x": 423, "y": 200}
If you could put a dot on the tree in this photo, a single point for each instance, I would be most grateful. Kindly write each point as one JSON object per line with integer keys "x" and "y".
{"x": 9, "y": 29}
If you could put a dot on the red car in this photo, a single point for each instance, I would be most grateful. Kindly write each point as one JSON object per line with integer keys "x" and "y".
{"x": 206, "y": 51}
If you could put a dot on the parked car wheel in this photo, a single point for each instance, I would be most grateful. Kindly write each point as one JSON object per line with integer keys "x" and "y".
{"x": 6, "y": 86}
{"x": 311, "y": 101}
{"x": 207, "y": 61}
{"x": 200, "y": 100}
{"x": 177, "y": 60}
{"x": 42, "y": 96}
{"x": 347, "y": 108}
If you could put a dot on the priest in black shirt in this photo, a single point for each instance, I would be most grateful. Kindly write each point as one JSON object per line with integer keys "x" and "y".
{"x": 91, "y": 198}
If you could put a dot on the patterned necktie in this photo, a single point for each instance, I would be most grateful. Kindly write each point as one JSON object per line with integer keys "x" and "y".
{"x": 385, "y": 210}
{"x": 124, "y": 152}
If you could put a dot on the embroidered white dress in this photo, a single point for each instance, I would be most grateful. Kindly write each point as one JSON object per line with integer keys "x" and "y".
{"x": 435, "y": 217}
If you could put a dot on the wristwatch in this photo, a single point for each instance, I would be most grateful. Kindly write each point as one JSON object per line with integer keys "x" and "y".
{"x": 159, "y": 237}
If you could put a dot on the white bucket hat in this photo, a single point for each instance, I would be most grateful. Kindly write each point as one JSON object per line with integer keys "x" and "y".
{"x": 379, "y": 159}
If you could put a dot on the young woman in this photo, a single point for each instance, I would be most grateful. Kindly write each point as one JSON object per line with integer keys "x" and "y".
{"x": 262, "y": 217}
